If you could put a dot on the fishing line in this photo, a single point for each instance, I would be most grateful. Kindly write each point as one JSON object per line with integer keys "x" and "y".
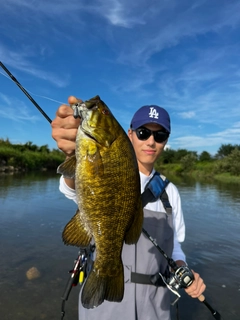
{"x": 34, "y": 94}
{"x": 26, "y": 92}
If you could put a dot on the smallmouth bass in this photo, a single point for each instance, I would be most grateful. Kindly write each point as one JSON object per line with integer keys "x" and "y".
{"x": 108, "y": 195}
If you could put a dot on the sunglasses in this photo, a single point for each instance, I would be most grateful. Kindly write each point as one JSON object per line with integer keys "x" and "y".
{"x": 144, "y": 133}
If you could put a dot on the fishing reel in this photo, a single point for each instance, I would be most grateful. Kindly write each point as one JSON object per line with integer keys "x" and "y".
{"x": 182, "y": 277}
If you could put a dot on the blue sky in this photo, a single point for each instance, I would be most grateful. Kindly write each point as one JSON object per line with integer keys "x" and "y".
{"x": 182, "y": 55}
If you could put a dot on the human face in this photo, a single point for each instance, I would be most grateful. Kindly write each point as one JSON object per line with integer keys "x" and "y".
{"x": 147, "y": 151}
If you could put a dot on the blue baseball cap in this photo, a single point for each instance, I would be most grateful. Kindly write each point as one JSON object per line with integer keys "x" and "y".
{"x": 151, "y": 114}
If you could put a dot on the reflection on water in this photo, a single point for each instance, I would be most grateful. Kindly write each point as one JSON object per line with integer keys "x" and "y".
{"x": 212, "y": 245}
{"x": 33, "y": 214}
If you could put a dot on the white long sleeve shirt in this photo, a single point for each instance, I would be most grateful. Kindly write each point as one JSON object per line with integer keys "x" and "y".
{"x": 174, "y": 199}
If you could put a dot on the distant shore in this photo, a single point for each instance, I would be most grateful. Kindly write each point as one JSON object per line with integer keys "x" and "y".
{"x": 224, "y": 166}
{"x": 28, "y": 157}
{"x": 209, "y": 175}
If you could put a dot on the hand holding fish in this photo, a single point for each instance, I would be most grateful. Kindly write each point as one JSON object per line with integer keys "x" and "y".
{"x": 64, "y": 127}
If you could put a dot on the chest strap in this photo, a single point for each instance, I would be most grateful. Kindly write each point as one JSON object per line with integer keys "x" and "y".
{"x": 154, "y": 190}
{"x": 149, "y": 279}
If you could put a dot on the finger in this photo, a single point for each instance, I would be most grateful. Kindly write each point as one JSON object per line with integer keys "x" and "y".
{"x": 65, "y": 122}
{"x": 64, "y": 111}
{"x": 64, "y": 135}
{"x": 197, "y": 287}
{"x": 68, "y": 147}
{"x": 72, "y": 100}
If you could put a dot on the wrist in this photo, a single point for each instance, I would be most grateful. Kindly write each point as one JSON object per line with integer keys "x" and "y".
{"x": 181, "y": 263}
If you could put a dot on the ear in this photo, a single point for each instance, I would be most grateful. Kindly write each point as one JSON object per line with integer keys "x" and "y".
{"x": 130, "y": 134}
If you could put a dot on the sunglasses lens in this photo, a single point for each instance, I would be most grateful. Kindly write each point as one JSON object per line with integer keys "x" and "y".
{"x": 143, "y": 133}
{"x": 159, "y": 136}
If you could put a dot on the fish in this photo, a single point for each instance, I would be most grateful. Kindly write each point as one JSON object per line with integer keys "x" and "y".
{"x": 108, "y": 192}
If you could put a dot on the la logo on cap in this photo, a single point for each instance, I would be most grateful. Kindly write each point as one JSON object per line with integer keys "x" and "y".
{"x": 153, "y": 113}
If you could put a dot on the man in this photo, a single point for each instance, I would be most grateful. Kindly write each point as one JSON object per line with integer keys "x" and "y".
{"x": 149, "y": 132}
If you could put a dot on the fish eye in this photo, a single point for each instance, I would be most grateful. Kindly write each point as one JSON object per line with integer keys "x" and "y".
{"x": 105, "y": 112}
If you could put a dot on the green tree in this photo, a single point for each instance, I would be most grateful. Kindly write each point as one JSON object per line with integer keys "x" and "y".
{"x": 44, "y": 148}
{"x": 168, "y": 156}
{"x": 180, "y": 153}
{"x": 205, "y": 156}
{"x": 189, "y": 160}
{"x": 230, "y": 163}
{"x": 225, "y": 150}
{"x": 30, "y": 146}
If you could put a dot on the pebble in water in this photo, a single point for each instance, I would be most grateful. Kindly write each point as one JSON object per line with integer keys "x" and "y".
{"x": 33, "y": 273}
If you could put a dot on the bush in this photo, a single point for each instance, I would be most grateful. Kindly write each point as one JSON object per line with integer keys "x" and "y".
{"x": 230, "y": 163}
{"x": 188, "y": 161}
{"x": 28, "y": 157}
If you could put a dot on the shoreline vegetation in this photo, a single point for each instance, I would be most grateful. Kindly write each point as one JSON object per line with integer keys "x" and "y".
{"x": 223, "y": 166}
{"x": 28, "y": 157}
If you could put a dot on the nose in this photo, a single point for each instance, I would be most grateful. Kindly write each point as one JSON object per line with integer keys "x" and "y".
{"x": 150, "y": 140}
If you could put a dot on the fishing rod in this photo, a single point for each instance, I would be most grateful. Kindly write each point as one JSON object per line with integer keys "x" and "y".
{"x": 25, "y": 92}
{"x": 183, "y": 277}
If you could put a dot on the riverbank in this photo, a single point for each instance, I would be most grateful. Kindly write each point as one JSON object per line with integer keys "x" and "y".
{"x": 205, "y": 171}
{"x": 28, "y": 157}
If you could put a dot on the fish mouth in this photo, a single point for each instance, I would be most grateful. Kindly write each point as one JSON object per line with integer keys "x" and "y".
{"x": 80, "y": 110}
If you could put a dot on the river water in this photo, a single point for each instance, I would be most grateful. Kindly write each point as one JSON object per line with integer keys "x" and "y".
{"x": 33, "y": 214}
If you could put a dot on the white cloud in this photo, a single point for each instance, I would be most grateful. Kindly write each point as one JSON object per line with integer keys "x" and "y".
{"x": 21, "y": 61}
{"x": 5, "y": 99}
{"x": 15, "y": 110}
{"x": 208, "y": 141}
{"x": 187, "y": 115}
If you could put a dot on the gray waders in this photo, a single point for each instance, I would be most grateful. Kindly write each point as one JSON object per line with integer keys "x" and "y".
{"x": 141, "y": 301}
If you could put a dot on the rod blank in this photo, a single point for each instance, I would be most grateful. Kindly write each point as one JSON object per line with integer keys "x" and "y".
{"x": 215, "y": 314}
{"x": 25, "y": 92}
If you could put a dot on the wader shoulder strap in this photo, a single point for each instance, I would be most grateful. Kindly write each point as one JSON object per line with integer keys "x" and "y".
{"x": 154, "y": 190}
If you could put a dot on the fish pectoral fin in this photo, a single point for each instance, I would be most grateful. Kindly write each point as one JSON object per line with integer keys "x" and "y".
{"x": 67, "y": 168}
{"x": 133, "y": 233}
{"x": 75, "y": 234}
{"x": 99, "y": 288}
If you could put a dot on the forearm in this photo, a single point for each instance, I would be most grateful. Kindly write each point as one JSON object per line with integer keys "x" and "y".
{"x": 70, "y": 183}
{"x": 178, "y": 254}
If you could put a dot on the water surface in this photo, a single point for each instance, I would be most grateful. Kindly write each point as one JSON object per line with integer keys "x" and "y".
{"x": 33, "y": 214}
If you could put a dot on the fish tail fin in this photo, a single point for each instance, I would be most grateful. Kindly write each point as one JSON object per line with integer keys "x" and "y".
{"x": 98, "y": 288}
